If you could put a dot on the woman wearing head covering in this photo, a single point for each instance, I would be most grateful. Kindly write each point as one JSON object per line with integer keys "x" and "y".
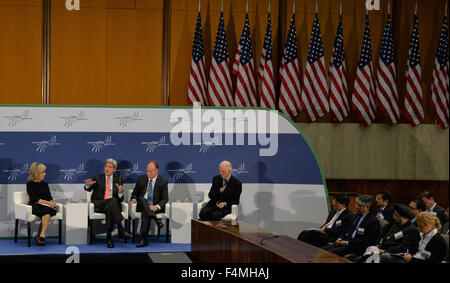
{"x": 431, "y": 246}
{"x": 41, "y": 200}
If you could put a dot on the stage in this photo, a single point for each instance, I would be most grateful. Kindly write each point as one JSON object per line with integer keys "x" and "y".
{"x": 96, "y": 252}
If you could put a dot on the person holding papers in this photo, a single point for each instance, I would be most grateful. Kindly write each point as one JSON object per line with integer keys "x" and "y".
{"x": 41, "y": 200}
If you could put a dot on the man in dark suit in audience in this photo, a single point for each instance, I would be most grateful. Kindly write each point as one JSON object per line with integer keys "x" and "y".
{"x": 386, "y": 211}
{"x": 225, "y": 192}
{"x": 151, "y": 195}
{"x": 416, "y": 206}
{"x": 402, "y": 237}
{"x": 339, "y": 221}
{"x": 364, "y": 231}
{"x": 432, "y": 206}
{"x": 107, "y": 195}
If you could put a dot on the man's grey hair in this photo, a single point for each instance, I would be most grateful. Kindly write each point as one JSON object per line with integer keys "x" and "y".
{"x": 111, "y": 161}
{"x": 365, "y": 200}
{"x": 226, "y": 164}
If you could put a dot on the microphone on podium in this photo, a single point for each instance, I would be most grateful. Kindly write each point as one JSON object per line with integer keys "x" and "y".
{"x": 267, "y": 238}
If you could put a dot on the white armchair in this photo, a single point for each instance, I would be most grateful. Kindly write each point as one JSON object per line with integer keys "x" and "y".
{"x": 92, "y": 215}
{"x": 23, "y": 211}
{"x": 232, "y": 216}
{"x": 135, "y": 216}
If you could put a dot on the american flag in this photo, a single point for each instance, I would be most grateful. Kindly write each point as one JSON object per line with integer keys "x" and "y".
{"x": 266, "y": 70}
{"x": 338, "y": 88}
{"x": 363, "y": 100}
{"x": 219, "y": 84}
{"x": 414, "y": 96}
{"x": 197, "y": 80}
{"x": 387, "y": 95}
{"x": 440, "y": 81}
{"x": 289, "y": 75}
{"x": 243, "y": 67}
{"x": 314, "y": 97}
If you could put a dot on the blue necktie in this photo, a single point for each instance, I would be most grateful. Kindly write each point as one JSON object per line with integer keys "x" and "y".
{"x": 225, "y": 181}
{"x": 150, "y": 192}
{"x": 353, "y": 230}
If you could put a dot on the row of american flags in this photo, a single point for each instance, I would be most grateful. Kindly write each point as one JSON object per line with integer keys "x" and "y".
{"x": 314, "y": 96}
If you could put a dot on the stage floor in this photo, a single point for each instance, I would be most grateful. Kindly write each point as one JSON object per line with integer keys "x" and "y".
{"x": 9, "y": 248}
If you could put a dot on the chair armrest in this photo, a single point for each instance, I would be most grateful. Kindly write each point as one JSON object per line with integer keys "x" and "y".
{"x": 125, "y": 208}
{"x": 200, "y": 205}
{"x": 234, "y": 210}
{"x": 167, "y": 210}
{"x": 133, "y": 210}
{"x": 22, "y": 211}
{"x": 91, "y": 209}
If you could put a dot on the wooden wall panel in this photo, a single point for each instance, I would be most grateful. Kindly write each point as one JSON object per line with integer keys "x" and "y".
{"x": 184, "y": 15}
{"x": 20, "y": 51}
{"x": 78, "y": 54}
{"x": 135, "y": 55}
{"x": 108, "y": 53}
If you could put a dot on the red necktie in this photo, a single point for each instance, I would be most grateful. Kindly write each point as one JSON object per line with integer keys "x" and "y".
{"x": 108, "y": 189}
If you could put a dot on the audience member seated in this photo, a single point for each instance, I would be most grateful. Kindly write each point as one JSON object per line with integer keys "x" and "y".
{"x": 386, "y": 211}
{"x": 432, "y": 206}
{"x": 339, "y": 221}
{"x": 416, "y": 206}
{"x": 444, "y": 229}
{"x": 364, "y": 231}
{"x": 403, "y": 237}
{"x": 432, "y": 245}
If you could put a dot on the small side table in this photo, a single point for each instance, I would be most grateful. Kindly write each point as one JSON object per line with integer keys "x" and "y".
{"x": 181, "y": 222}
{"x": 75, "y": 224}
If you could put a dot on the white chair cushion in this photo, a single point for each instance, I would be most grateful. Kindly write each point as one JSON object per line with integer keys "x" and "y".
{"x": 23, "y": 211}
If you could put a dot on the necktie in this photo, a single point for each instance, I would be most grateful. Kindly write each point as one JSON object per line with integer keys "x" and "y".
{"x": 108, "y": 189}
{"x": 150, "y": 192}
{"x": 336, "y": 215}
{"x": 225, "y": 181}
{"x": 355, "y": 227}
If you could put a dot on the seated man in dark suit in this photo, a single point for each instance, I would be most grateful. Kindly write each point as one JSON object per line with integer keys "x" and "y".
{"x": 386, "y": 211}
{"x": 151, "y": 195}
{"x": 107, "y": 194}
{"x": 225, "y": 192}
{"x": 339, "y": 221}
{"x": 402, "y": 237}
{"x": 432, "y": 206}
{"x": 364, "y": 231}
{"x": 416, "y": 206}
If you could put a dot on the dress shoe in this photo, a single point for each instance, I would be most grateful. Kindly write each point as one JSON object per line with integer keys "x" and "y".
{"x": 110, "y": 243}
{"x": 39, "y": 240}
{"x": 142, "y": 243}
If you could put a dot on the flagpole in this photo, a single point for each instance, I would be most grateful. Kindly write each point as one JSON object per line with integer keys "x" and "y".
{"x": 199, "y": 6}
{"x": 221, "y": 9}
{"x": 293, "y": 11}
{"x": 389, "y": 7}
{"x": 246, "y": 9}
{"x": 317, "y": 7}
{"x": 269, "y": 7}
{"x": 416, "y": 9}
{"x": 340, "y": 8}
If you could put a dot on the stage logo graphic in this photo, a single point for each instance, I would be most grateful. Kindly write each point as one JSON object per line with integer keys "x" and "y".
{"x": 42, "y": 146}
{"x": 153, "y": 145}
{"x": 16, "y": 119}
{"x": 179, "y": 173}
{"x": 73, "y": 5}
{"x": 99, "y": 145}
{"x": 70, "y": 121}
{"x": 13, "y": 174}
{"x": 127, "y": 120}
{"x": 125, "y": 173}
{"x": 69, "y": 174}
{"x": 240, "y": 169}
{"x": 207, "y": 145}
